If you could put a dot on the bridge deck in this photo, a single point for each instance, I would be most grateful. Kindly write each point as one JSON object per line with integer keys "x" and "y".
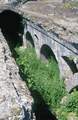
{"x": 49, "y": 15}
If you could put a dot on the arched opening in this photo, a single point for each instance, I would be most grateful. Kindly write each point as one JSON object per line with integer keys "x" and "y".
{"x": 71, "y": 64}
{"x": 30, "y": 42}
{"x": 74, "y": 89}
{"x": 47, "y": 53}
{"x": 75, "y": 45}
{"x": 11, "y": 27}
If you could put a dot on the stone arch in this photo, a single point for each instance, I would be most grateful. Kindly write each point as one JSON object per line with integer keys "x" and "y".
{"x": 71, "y": 64}
{"x": 11, "y": 27}
{"x": 29, "y": 38}
{"x": 74, "y": 88}
{"x": 72, "y": 83}
{"x": 47, "y": 53}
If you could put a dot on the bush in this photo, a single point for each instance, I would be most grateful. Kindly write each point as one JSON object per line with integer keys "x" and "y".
{"x": 44, "y": 78}
{"x": 72, "y": 102}
{"x": 70, "y": 106}
{"x": 41, "y": 77}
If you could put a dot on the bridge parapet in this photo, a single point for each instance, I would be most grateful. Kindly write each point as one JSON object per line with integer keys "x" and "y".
{"x": 62, "y": 44}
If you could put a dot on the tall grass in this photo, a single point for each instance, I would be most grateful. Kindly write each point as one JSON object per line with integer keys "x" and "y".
{"x": 44, "y": 79}
{"x": 41, "y": 77}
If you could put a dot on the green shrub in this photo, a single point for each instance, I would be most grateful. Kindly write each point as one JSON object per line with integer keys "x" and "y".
{"x": 41, "y": 77}
{"x": 70, "y": 106}
{"x": 44, "y": 78}
{"x": 72, "y": 102}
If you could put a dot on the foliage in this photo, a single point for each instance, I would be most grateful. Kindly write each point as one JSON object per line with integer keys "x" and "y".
{"x": 70, "y": 106}
{"x": 72, "y": 102}
{"x": 44, "y": 78}
{"x": 71, "y": 5}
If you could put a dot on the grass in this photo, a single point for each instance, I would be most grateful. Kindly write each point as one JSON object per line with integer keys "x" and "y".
{"x": 44, "y": 79}
{"x": 41, "y": 77}
{"x": 70, "y": 106}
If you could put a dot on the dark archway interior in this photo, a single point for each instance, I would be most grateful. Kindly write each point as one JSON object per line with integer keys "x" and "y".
{"x": 71, "y": 64}
{"x": 75, "y": 45}
{"x": 29, "y": 39}
{"x": 74, "y": 89}
{"x": 46, "y": 53}
{"x": 11, "y": 27}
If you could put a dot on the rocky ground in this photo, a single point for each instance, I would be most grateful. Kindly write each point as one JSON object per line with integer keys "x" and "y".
{"x": 15, "y": 99}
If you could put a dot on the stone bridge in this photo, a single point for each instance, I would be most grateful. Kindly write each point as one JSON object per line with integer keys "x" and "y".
{"x": 46, "y": 44}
